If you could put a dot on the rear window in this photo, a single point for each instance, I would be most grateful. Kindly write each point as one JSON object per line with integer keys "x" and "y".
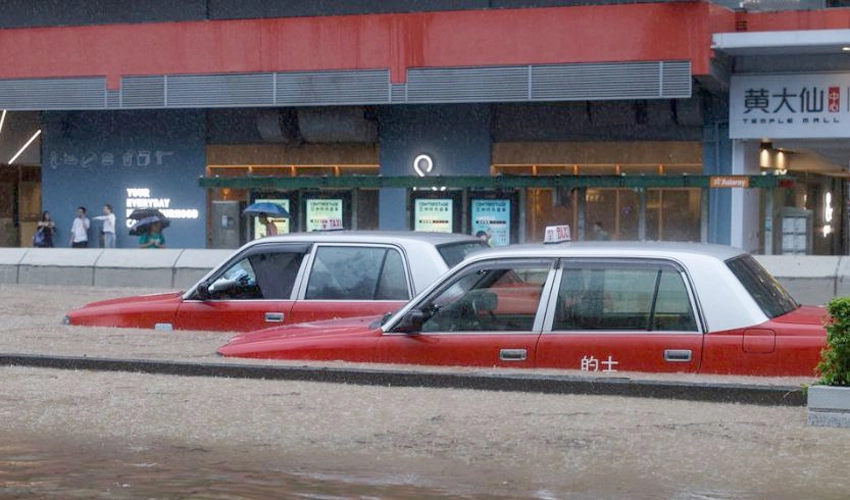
{"x": 764, "y": 288}
{"x": 453, "y": 253}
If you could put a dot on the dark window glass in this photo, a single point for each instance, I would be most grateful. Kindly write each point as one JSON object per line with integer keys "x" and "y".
{"x": 357, "y": 273}
{"x": 765, "y": 290}
{"x": 455, "y": 252}
{"x": 502, "y": 298}
{"x": 616, "y": 297}
{"x": 259, "y": 276}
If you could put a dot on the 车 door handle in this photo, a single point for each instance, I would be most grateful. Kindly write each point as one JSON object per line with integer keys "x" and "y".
{"x": 513, "y": 354}
{"x": 678, "y": 355}
{"x": 274, "y": 317}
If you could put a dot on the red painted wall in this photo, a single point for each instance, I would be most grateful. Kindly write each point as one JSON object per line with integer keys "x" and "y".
{"x": 799, "y": 20}
{"x": 602, "y": 33}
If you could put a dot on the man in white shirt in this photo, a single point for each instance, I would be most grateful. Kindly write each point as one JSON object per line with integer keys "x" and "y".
{"x": 108, "y": 229}
{"x": 80, "y": 229}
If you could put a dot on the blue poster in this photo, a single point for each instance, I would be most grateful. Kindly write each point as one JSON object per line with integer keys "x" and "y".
{"x": 491, "y": 219}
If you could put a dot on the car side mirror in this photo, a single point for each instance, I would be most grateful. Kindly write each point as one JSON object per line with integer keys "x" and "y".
{"x": 203, "y": 290}
{"x": 411, "y": 322}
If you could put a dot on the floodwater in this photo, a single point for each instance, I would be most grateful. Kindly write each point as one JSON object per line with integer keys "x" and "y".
{"x": 45, "y": 471}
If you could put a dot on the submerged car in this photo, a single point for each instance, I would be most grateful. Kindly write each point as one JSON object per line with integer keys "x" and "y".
{"x": 603, "y": 306}
{"x": 292, "y": 279}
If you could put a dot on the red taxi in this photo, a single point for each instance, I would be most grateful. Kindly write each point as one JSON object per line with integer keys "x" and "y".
{"x": 602, "y": 306}
{"x": 292, "y": 279}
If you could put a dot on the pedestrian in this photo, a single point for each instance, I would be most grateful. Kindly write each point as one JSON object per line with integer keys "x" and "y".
{"x": 600, "y": 232}
{"x": 44, "y": 235}
{"x": 152, "y": 238}
{"x": 271, "y": 229}
{"x": 108, "y": 229}
{"x": 80, "y": 229}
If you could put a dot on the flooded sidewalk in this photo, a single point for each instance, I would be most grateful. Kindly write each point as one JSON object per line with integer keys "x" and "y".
{"x": 86, "y": 434}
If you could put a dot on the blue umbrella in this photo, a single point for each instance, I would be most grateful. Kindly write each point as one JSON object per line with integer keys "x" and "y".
{"x": 266, "y": 207}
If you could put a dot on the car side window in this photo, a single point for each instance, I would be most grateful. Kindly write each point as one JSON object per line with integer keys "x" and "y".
{"x": 269, "y": 276}
{"x": 619, "y": 297}
{"x": 502, "y": 298}
{"x": 357, "y": 273}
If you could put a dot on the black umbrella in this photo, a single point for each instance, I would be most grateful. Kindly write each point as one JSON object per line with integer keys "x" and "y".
{"x": 142, "y": 213}
{"x": 142, "y": 226}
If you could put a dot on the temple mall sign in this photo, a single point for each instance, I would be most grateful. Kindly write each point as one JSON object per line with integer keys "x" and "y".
{"x": 796, "y": 106}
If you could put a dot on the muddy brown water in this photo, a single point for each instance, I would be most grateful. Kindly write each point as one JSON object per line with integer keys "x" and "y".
{"x": 79, "y": 434}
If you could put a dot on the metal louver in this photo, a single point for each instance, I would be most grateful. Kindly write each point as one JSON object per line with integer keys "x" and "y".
{"x": 676, "y": 79}
{"x": 333, "y": 88}
{"x": 141, "y": 92}
{"x": 216, "y": 91}
{"x": 53, "y": 94}
{"x": 493, "y": 84}
{"x": 586, "y": 82}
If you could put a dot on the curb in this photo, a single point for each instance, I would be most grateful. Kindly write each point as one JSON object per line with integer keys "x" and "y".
{"x": 546, "y": 384}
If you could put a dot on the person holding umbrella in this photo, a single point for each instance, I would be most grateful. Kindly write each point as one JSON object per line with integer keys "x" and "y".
{"x": 148, "y": 227}
{"x": 263, "y": 210}
{"x": 152, "y": 238}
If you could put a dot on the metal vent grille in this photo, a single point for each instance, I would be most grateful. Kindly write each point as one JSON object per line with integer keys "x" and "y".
{"x": 583, "y": 82}
{"x": 333, "y": 87}
{"x": 398, "y": 93}
{"x": 493, "y": 84}
{"x": 113, "y": 99}
{"x": 676, "y": 79}
{"x": 143, "y": 92}
{"x": 219, "y": 91}
{"x": 49, "y": 94}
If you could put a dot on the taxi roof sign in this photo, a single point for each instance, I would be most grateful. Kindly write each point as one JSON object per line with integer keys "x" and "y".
{"x": 557, "y": 234}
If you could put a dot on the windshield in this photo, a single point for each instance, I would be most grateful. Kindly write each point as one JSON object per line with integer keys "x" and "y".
{"x": 764, "y": 288}
{"x": 453, "y": 253}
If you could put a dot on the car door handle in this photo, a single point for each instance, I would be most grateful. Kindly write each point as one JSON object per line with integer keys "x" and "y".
{"x": 678, "y": 355}
{"x": 513, "y": 354}
{"x": 274, "y": 317}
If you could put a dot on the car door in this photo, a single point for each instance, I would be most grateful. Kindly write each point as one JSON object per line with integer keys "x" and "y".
{"x": 254, "y": 291}
{"x": 488, "y": 314}
{"x": 347, "y": 280}
{"x": 611, "y": 315}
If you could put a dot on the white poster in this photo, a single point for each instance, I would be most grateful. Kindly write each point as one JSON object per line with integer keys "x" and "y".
{"x": 800, "y": 106}
{"x": 324, "y": 215}
{"x": 492, "y": 219}
{"x": 433, "y": 215}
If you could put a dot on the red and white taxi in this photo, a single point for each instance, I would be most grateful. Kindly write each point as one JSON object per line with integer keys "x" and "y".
{"x": 292, "y": 279}
{"x": 602, "y": 306}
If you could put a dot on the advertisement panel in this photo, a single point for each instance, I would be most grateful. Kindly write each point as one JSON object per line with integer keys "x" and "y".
{"x": 799, "y": 106}
{"x": 324, "y": 214}
{"x": 280, "y": 223}
{"x": 493, "y": 219}
{"x": 433, "y": 215}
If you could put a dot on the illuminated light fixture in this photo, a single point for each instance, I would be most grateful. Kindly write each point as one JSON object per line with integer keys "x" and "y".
{"x": 25, "y": 146}
{"x": 845, "y": 49}
{"x": 2, "y": 120}
{"x": 765, "y": 150}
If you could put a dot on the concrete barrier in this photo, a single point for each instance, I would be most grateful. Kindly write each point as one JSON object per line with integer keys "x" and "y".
{"x": 811, "y": 279}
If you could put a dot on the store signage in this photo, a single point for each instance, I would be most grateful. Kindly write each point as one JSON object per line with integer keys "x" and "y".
{"x": 433, "y": 215}
{"x": 423, "y": 164}
{"x": 729, "y": 181}
{"x": 323, "y": 215}
{"x": 142, "y": 198}
{"x": 796, "y": 106}
{"x": 492, "y": 218}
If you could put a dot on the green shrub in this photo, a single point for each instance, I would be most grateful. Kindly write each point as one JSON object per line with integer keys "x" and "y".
{"x": 835, "y": 359}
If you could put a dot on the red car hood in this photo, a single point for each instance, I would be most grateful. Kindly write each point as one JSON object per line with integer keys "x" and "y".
{"x": 335, "y": 327}
{"x": 137, "y": 299}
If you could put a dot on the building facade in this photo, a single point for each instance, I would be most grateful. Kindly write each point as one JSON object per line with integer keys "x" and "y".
{"x": 604, "y": 111}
